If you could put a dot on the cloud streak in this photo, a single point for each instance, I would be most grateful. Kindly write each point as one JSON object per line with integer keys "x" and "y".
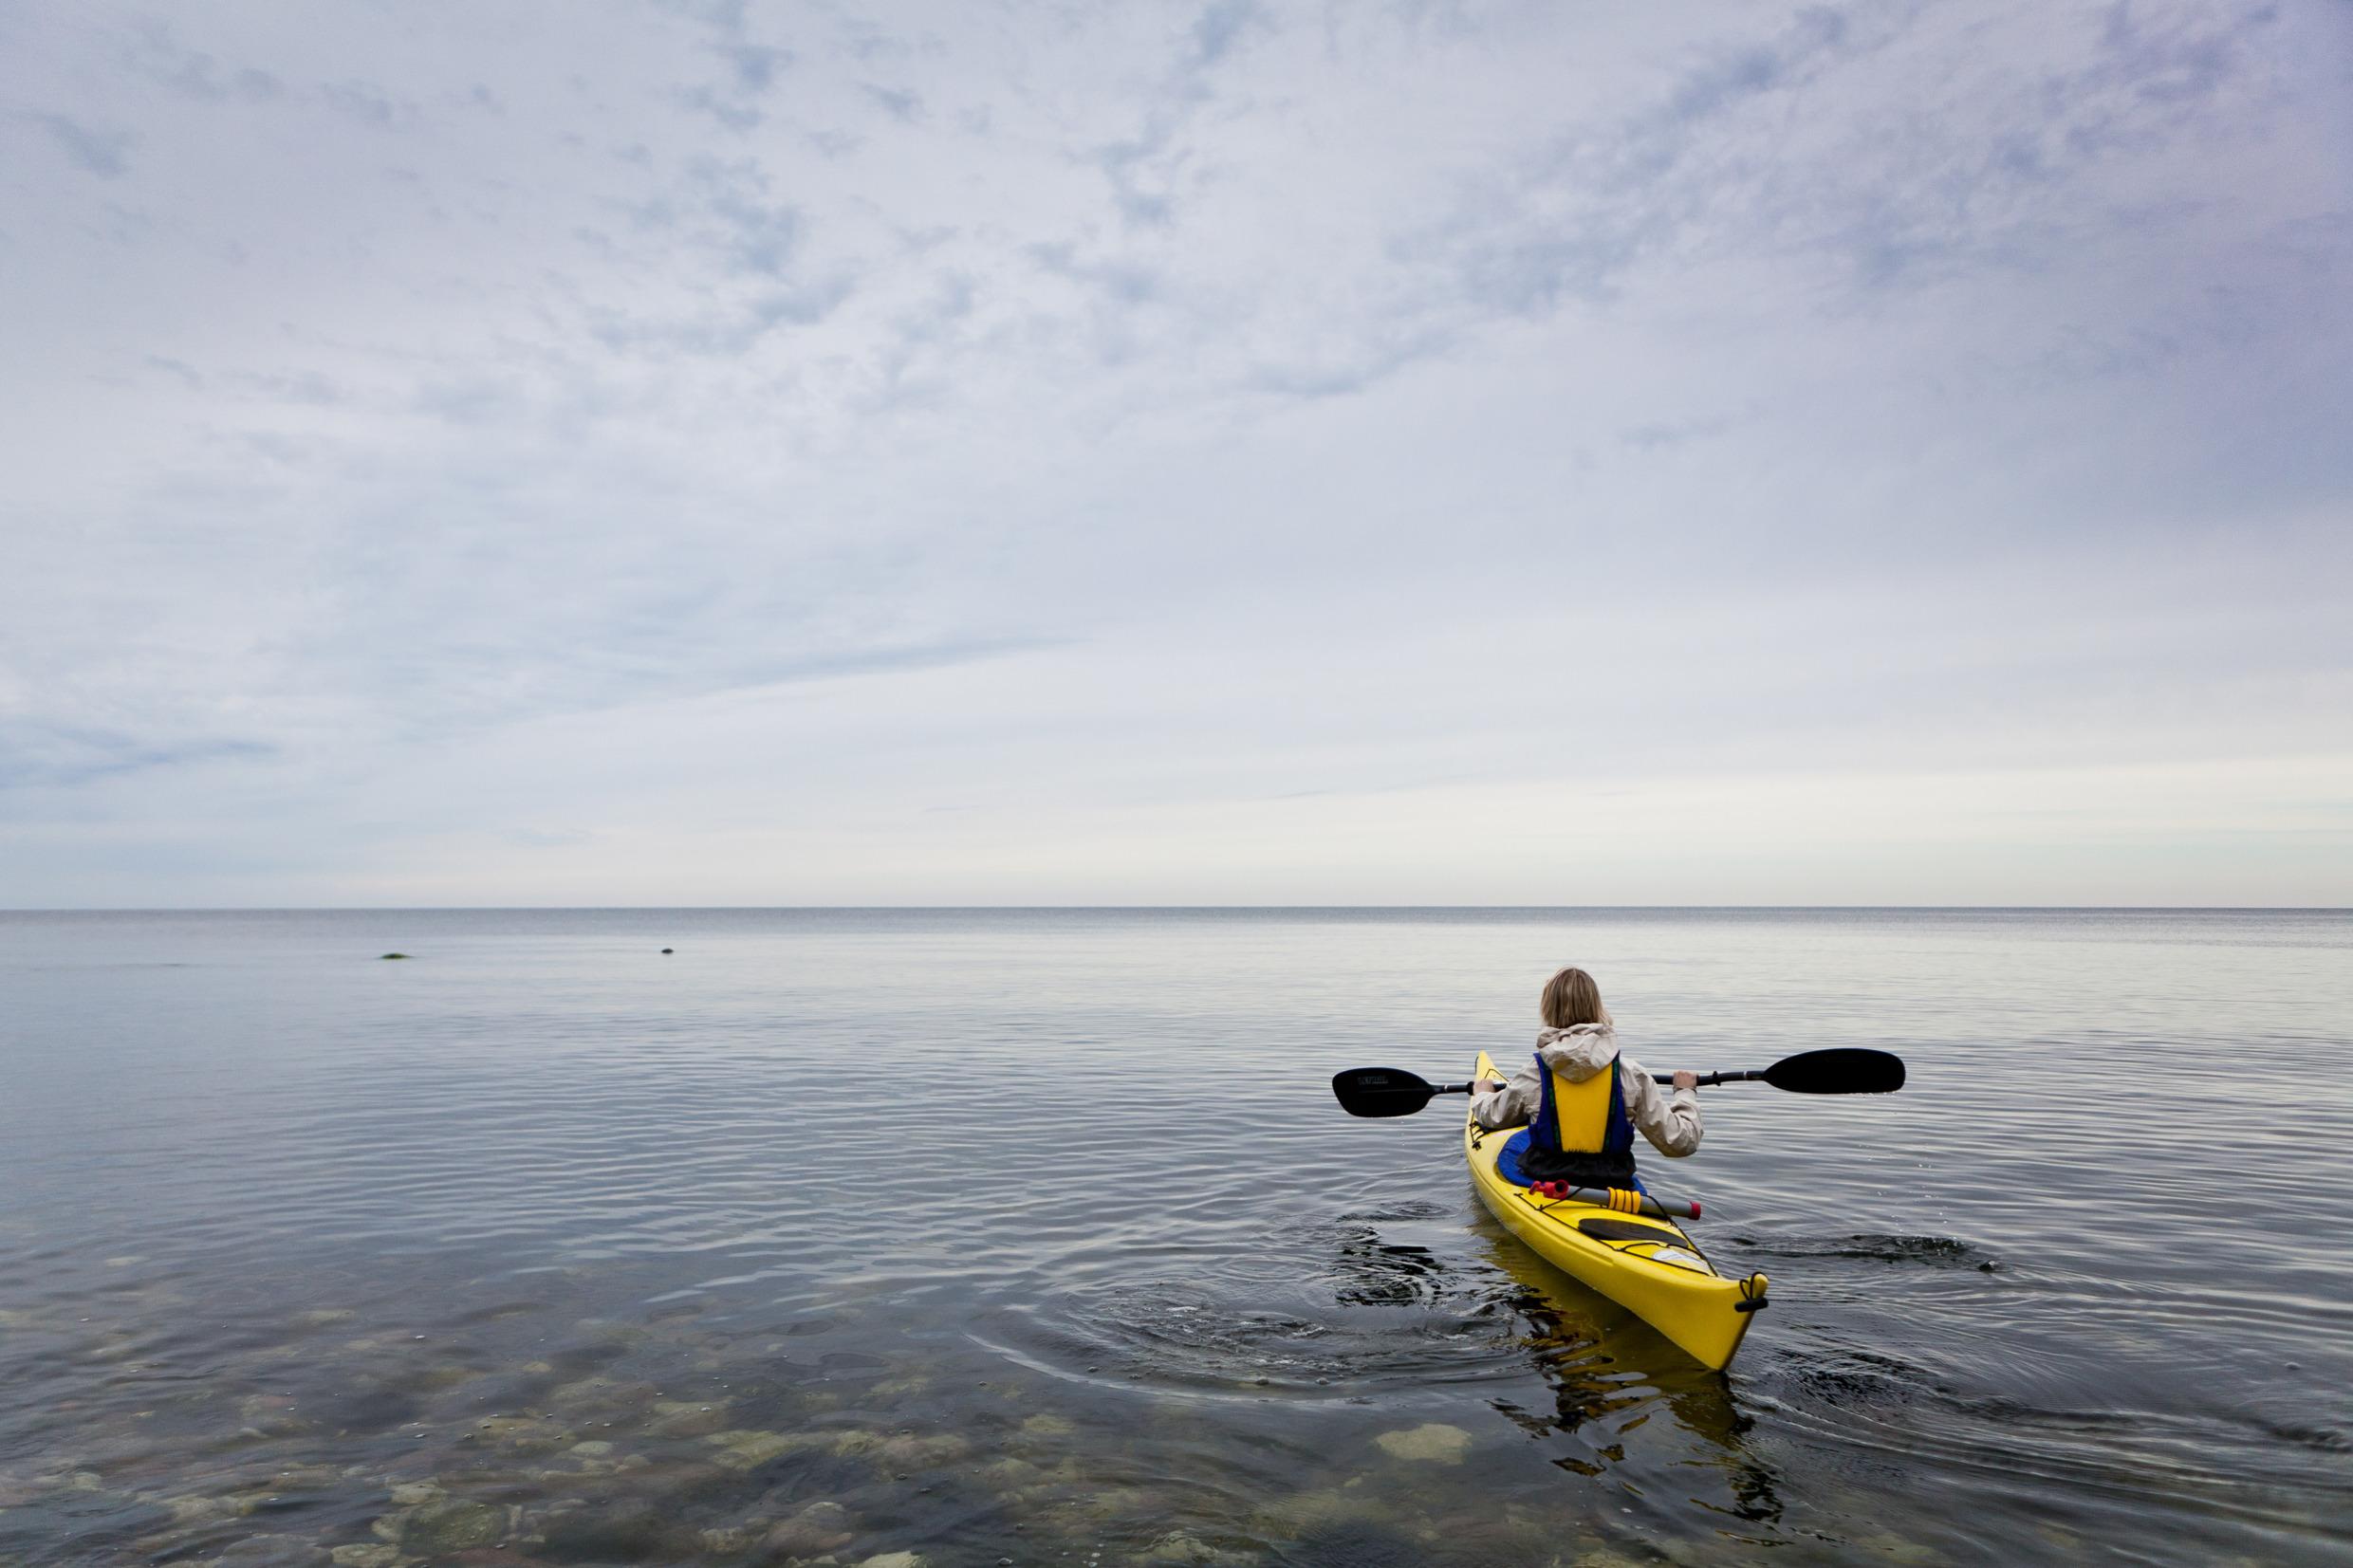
{"x": 103, "y": 152}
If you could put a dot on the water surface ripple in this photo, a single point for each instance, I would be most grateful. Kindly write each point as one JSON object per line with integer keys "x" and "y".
{"x": 1036, "y": 1236}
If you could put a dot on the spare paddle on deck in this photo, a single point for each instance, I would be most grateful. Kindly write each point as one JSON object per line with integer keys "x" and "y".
{"x": 1846, "y": 1070}
{"x": 1602, "y": 1197}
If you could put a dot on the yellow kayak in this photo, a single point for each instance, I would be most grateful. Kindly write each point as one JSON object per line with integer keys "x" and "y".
{"x": 1644, "y": 1263}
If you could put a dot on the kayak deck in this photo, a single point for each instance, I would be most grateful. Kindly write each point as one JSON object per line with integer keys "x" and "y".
{"x": 1646, "y": 1263}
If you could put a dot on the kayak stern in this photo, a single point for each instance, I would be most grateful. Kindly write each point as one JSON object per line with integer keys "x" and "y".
{"x": 1649, "y": 1264}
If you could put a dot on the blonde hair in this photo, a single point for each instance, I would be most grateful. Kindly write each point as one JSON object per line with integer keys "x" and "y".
{"x": 1571, "y": 997}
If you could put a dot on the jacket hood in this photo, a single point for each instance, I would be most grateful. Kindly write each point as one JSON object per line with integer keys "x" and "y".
{"x": 1579, "y": 1051}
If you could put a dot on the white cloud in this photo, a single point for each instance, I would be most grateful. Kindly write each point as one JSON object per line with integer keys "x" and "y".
{"x": 985, "y": 456}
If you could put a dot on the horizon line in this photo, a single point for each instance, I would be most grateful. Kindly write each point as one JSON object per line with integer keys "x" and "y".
{"x": 1162, "y": 909}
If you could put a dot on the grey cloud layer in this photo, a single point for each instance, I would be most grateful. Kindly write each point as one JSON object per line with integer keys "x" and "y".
{"x": 999, "y": 414}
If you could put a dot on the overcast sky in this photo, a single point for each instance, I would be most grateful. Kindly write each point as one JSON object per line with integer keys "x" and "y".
{"x": 707, "y": 453}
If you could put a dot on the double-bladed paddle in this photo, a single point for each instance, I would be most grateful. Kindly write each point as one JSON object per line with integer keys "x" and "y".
{"x": 1844, "y": 1070}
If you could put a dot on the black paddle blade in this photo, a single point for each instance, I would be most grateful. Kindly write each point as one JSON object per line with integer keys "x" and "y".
{"x": 1380, "y": 1092}
{"x": 1845, "y": 1071}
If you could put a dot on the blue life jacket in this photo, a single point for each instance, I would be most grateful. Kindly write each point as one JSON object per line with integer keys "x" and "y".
{"x": 1582, "y": 1132}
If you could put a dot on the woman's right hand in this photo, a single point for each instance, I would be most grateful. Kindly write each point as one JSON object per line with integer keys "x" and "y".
{"x": 1687, "y": 1080}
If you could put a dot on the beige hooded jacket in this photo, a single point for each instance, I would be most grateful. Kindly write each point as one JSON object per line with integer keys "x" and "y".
{"x": 1577, "y": 1053}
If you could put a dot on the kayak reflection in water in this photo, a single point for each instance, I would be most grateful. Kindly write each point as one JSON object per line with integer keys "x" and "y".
{"x": 1582, "y": 1101}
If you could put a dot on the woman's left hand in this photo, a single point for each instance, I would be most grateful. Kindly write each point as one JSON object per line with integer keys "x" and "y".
{"x": 1687, "y": 1080}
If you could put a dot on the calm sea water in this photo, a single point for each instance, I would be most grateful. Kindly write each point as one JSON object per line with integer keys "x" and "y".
{"x": 1036, "y": 1237}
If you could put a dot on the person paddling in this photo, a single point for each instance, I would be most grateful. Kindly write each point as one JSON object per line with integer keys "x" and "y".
{"x": 1582, "y": 1101}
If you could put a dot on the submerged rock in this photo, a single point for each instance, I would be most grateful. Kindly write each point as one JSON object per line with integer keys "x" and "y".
{"x": 688, "y": 1418}
{"x": 823, "y": 1527}
{"x": 204, "y": 1510}
{"x": 305, "y": 1478}
{"x": 271, "y": 1415}
{"x": 1009, "y": 1473}
{"x": 1432, "y": 1442}
{"x": 910, "y": 1452}
{"x": 274, "y": 1551}
{"x": 746, "y": 1450}
{"x": 728, "y": 1540}
{"x": 452, "y": 1524}
{"x": 1355, "y": 1543}
{"x": 601, "y": 1395}
{"x": 1183, "y": 1551}
{"x": 620, "y": 1532}
{"x": 362, "y": 1556}
{"x": 524, "y": 1433}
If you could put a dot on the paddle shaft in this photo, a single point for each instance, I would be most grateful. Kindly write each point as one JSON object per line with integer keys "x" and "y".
{"x": 1663, "y": 1077}
{"x": 1840, "y": 1070}
{"x": 1705, "y": 1079}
